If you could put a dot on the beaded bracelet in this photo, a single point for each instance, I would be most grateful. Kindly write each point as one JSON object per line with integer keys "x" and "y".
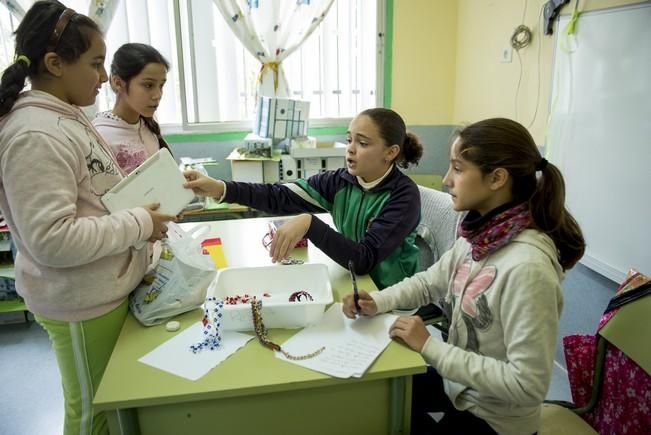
{"x": 266, "y": 242}
{"x": 211, "y": 326}
{"x": 261, "y": 332}
{"x": 242, "y": 299}
{"x": 300, "y": 296}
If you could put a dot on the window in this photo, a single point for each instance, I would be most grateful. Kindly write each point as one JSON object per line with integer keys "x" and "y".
{"x": 336, "y": 68}
{"x": 212, "y": 80}
{"x": 8, "y": 24}
{"x": 149, "y": 22}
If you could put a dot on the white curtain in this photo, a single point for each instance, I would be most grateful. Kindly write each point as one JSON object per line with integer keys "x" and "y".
{"x": 101, "y": 11}
{"x": 271, "y": 30}
{"x": 14, "y": 7}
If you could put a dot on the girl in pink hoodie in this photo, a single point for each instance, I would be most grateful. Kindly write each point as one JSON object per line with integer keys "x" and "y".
{"x": 138, "y": 75}
{"x": 76, "y": 262}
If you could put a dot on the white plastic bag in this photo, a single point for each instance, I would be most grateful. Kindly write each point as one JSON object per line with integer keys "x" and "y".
{"x": 179, "y": 280}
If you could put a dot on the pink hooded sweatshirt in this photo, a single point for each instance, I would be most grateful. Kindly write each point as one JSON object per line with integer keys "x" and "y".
{"x": 131, "y": 144}
{"x": 76, "y": 261}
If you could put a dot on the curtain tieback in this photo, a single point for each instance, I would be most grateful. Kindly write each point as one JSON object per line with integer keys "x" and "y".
{"x": 273, "y": 66}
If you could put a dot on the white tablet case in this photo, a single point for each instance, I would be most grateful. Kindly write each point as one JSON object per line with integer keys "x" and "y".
{"x": 157, "y": 179}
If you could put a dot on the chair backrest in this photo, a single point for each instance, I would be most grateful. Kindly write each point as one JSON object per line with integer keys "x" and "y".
{"x": 437, "y": 230}
{"x": 611, "y": 383}
{"x": 629, "y": 329}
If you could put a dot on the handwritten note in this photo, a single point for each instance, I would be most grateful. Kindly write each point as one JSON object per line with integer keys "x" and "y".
{"x": 351, "y": 346}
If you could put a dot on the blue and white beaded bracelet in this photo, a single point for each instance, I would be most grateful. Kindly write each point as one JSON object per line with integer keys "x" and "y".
{"x": 212, "y": 323}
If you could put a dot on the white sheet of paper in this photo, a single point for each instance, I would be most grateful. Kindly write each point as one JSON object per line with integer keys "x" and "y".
{"x": 351, "y": 346}
{"x": 174, "y": 356}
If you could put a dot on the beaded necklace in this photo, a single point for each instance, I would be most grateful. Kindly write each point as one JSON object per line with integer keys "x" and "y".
{"x": 261, "y": 332}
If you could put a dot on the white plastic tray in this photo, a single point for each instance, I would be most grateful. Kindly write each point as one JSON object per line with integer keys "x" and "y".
{"x": 279, "y": 282}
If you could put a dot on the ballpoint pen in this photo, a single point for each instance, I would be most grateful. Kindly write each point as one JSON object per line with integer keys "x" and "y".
{"x": 351, "y": 268}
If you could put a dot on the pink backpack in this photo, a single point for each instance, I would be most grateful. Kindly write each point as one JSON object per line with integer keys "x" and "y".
{"x": 620, "y": 367}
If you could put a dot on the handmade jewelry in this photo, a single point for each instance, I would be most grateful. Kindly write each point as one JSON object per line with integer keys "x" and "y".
{"x": 266, "y": 242}
{"x": 290, "y": 260}
{"x": 261, "y": 332}
{"x": 300, "y": 296}
{"x": 242, "y": 299}
{"x": 212, "y": 315}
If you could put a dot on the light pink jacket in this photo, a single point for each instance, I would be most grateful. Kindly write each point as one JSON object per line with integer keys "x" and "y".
{"x": 131, "y": 144}
{"x": 75, "y": 260}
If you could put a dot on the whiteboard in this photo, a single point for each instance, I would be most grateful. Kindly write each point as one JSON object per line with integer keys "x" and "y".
{"x": 600, "y": 134}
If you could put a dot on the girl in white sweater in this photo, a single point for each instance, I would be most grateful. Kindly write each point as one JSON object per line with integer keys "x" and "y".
{"x": 76, "y": 263}
{"x": 499, "y": 286}
{"x": 138, "y": 75}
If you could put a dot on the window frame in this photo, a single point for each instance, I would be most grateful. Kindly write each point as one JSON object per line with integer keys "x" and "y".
{"x": 383, "y": 8}
{"x": 384, "y": 16}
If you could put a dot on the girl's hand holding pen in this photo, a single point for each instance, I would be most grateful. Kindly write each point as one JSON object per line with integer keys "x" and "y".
{"x": 366, "y": 304}
{"x": 411, "y": 330}
{"x": 203, "y": 185}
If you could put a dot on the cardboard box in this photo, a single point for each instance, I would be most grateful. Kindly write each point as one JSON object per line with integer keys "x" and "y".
{"x": 279, "y": 282}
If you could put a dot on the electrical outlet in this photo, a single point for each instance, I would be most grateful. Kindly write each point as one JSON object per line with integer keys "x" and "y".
{"x": 506, "y": 54}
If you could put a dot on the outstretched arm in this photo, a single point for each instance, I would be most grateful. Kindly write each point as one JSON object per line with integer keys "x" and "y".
{"x": 381, "y": 237}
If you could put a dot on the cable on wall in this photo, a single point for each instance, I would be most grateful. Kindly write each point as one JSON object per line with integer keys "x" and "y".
{"x": 521, "y": 37}
{"x": 540, "y": 27}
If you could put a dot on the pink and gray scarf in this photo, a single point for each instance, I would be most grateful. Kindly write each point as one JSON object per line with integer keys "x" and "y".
{"x": 488, "y": 233}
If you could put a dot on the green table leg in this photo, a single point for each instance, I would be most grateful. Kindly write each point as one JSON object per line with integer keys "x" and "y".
{"x": 400, "y": 412}
{"x": 123, "y": 422}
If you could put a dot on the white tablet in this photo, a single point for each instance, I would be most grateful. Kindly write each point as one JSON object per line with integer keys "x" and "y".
{"x": 157, "y": 179}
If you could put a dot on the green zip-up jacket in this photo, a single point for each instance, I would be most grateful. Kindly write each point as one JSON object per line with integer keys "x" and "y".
{"x": 375, "y": 228}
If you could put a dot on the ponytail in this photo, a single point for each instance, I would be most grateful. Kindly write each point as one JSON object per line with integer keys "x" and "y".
{"x": 410, "y": 152}
{"x": 153, "y": 126}
{"x": 549, "y": 215}
{"x": 12, "y": 82}
{"x": 503, "y": 143}
{"x": 36, "y": 35}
